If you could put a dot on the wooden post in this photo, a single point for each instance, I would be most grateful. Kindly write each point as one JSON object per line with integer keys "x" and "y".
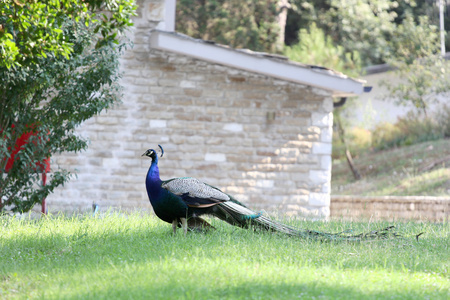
{"x": 44, "y": 181}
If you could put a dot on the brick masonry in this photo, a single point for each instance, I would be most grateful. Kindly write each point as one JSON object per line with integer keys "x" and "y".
{"x": 418, "y": 208}
{"x": 264, "y": 140}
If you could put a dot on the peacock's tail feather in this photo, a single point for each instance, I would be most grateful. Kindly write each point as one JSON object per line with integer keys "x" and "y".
{"x": 241, "y": 216}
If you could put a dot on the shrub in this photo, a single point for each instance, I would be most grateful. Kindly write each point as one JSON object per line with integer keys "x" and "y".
{"x": 412, "y": 129}
{"x": 359, "y": 140}
{"x": 385, "y": 135}
{"x": 61, "y": 68}
{"x": 443, "y": 120}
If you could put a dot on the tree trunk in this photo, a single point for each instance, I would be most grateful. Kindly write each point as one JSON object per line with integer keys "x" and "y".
{"x": 349, "y": 157}
{"x": 348, "y": 154}
{"x": 283, "y": 6}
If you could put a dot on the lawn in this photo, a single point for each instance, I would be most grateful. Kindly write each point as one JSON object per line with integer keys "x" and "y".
{"x": 135, "y": 256}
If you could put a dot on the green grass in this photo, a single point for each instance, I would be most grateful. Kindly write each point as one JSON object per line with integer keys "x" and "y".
{"x": 417, "y": 170}
{"x": 135, "y": 256}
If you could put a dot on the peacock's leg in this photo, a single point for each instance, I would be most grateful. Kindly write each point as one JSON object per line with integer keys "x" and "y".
{"x": 174, "y": 226}
{"x": 184, "y": 224}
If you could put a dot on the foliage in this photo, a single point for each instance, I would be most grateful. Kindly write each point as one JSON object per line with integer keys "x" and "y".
{"x": 428, "y": 8}
{"x": 414, "y": 128}
{"x": 409, "y": 130}
{"x": 49, "y": 89}
{"x": 357, "y": 25}
{"x": 365, "y": 26}
{"x": 359, "y": 140}
{"x": 385, "y": 135}
{"x": 315, "y": 48}
{"x": 241, "y": 24}
{"x": 33, "y": 29}
{"x": 443, "y": 119}
{"x": 417, "y": 60}
{"x": 132, "y": 256}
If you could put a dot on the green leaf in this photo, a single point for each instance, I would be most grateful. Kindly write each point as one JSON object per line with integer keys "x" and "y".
{"x": 49, "y": 76}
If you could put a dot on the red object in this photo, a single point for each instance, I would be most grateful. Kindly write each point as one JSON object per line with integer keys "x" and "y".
{"x": 22, "y": 141}
{"x": 43, "y": 166}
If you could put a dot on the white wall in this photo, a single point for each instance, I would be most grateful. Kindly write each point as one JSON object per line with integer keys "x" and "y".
{"x": 372, "y": 108}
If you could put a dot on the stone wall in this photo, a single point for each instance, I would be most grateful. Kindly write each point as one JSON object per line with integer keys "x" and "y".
{"x": 433, "y": 209}
{"x": 264, "y": 140}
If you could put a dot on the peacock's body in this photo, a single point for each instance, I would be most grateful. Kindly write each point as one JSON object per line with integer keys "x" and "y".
{"x": 184, "y": 200}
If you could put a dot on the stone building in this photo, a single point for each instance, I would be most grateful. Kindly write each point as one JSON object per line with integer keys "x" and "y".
{"x": 255, "y": 125}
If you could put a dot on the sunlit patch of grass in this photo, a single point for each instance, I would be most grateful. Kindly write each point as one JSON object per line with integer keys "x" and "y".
{"x": 135, "y": 256}
{"x": 431, "y": 183}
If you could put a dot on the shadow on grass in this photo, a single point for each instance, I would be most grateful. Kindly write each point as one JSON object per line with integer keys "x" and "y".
{"x": 252, "y": 290}
{"x": 59, "y": 250}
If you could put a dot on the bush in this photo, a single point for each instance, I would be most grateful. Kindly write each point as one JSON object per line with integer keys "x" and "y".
{"x": 61, "y": 69}
{"x": 385, "y": 135}
{"x": 443, "y": 120}
{"x": 409, "y": 130}
{"x": 359, "y": 140}
{"x": 412, "y": 129}
{"x": 315, "y": 47}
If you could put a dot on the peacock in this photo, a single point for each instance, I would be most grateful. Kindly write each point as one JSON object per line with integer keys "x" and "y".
{"x": 182, "y": 202}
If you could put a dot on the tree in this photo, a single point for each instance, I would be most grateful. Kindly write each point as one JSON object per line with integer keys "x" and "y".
{"x": 314, "y": 47}
{"x": 420, "y": 8}
{"x": 360, "y": 25}
{"x": 247, "y": 24}
{"x": 424, "y": 73}
{"x": 59, "y": 67}
{"x": 364, "y": 26}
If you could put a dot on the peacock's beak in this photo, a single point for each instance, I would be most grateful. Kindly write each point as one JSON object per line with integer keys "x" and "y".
{"x": 147, "y": 153}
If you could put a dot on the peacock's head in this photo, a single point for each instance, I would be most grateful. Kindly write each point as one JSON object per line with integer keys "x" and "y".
{"x": 152, "y": 153}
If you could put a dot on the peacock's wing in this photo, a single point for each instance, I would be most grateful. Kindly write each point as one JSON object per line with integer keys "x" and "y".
{"x": 194, "y": 192}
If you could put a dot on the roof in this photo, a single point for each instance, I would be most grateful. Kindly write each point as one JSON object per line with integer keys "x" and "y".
{"x": 272, "y": 65}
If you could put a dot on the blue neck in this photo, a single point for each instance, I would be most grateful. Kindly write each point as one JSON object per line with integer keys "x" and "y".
{"x": 153, "y": 182}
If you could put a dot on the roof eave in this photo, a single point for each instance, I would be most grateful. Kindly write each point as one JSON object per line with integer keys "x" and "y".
{"x": 338, "y": 85}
